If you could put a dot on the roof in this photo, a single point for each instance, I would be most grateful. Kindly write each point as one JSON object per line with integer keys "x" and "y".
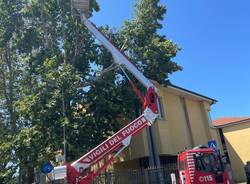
{"x": 227, "y": 121}
{"x": 185, "y": 92}
{"x": 212, "y": 100}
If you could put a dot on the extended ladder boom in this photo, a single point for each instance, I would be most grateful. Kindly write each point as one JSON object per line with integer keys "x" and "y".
{"x": 112, "y": 146}
{"x": 79, "y": 172}
{"x": 119, "y": 57}
{"x": 112, "y": 143}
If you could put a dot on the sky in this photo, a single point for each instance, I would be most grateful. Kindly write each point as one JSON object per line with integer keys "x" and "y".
{"x": 214, "y": 37}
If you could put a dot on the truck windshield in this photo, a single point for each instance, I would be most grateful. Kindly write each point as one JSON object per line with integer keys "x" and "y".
{"x": 208, "y": 162}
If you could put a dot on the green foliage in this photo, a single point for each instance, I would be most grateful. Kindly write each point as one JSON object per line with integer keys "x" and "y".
{"x": 46, "y": 57}
{"x": 151, "y": 52}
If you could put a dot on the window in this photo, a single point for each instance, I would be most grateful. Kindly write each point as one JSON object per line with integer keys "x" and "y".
{"x": 160, "y": 108}
{"x": 203, "y": 163}
{"x": 208, "y": 163}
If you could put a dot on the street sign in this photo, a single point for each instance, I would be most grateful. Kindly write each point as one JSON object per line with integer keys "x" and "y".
{"x": 47, "y": 168}
{"x": 212, "y": 144}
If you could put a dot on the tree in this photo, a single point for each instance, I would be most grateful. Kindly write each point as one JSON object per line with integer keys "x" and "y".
{"x": 51, "y": 53}
{"x": 56, "y": 52}
{"x": 151, "y": 51}
{"x": 46, "y": 57}
{"x": 10, "y": 74}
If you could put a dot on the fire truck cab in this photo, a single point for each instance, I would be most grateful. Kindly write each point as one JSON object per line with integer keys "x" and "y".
{"x": 201, "y": 165}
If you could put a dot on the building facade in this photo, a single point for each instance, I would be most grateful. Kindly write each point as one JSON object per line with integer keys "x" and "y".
{"x": 235, "y": 136}
{"x": 184, "y": 122}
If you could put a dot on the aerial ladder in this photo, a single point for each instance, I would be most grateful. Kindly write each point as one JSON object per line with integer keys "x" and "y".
{"x": 79, "y": 172}
{"x": 195, "y": 166}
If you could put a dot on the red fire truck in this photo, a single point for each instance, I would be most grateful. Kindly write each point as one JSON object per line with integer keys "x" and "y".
{"x": 201, "y": 165}
{"x": 79, "y": 172}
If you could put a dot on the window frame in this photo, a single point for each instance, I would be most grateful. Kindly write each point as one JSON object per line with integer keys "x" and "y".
{"x": 160, "y": 108}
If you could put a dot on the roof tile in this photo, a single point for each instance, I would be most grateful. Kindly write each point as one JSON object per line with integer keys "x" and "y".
{"x": 229, "y": 120}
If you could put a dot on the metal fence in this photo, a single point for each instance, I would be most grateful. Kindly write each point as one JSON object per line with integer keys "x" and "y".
{"x": 160, "y": 175}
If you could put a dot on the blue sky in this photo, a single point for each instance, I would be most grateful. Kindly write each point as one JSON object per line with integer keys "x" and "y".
{"x": 215, "y": 40}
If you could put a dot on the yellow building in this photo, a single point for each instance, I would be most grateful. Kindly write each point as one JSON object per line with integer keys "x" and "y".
{"x": 184, "y": 123}
{"x": 235, "y": 137}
